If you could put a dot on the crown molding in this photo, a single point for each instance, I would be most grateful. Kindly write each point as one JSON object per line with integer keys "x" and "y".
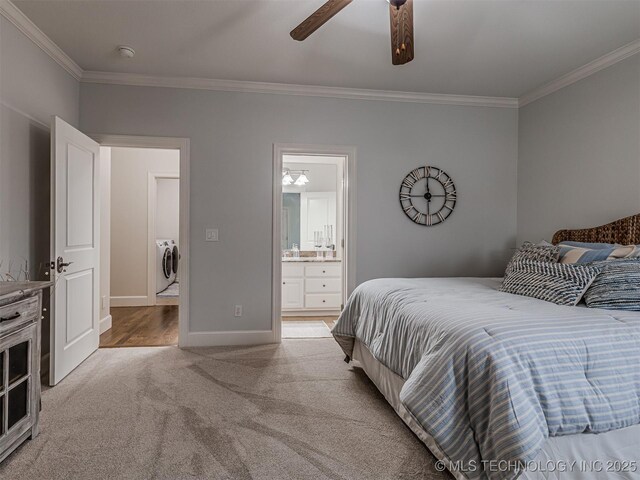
{"x": 290, "y": 89}
{"x": 584, "y": 71}
{"x": 12, "y": 13}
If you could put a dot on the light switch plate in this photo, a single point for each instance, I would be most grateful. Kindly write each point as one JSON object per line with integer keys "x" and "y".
{"x": 211, "y": 235}
{"x": 237, "y": 311}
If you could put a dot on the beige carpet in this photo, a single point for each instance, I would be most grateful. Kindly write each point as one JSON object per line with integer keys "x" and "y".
{"x": 293, "y": 411}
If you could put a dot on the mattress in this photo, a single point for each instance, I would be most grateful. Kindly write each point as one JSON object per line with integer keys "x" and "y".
{"x": 583, "y": 456}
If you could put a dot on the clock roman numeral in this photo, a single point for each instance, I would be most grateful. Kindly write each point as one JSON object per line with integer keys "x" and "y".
{"x": 415, "y": 174}
{"x": 408, "y": 183}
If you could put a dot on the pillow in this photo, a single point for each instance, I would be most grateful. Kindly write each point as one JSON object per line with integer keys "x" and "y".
{"x": 541, "y": 252}
{"x": 617, "y": 287}
{"x": 576, "y": 252}
{"x": 552, "y": 282}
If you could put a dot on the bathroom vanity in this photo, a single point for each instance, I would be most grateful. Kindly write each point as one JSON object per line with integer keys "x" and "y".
{"x": 311, "y": 286}
{"x": 20, "y": 324}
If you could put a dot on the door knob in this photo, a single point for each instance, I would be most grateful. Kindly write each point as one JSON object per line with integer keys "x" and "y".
{"x": 61, "y": 265}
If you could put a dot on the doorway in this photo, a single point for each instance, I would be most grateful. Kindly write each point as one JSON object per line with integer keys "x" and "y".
{"x": 81, "y": 265}
{"x": 313, "y": 211}
{"x": 143, "y": 261}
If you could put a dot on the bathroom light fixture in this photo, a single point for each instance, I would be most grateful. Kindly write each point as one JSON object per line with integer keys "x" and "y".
{"x": 302, "y": 179}
{"x": 287, "y": 179}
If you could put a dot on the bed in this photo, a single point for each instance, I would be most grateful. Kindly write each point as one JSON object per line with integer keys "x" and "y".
{"x": 503, "y": 386}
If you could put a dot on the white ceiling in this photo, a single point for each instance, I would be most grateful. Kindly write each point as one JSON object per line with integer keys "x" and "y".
{"x": 466, "y": 47}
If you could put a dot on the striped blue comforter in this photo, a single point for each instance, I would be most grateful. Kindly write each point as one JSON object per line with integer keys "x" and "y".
{"x": 490, "y": 375}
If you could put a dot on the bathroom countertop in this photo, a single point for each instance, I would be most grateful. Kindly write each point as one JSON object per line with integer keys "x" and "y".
{"x": 309, "y": 260}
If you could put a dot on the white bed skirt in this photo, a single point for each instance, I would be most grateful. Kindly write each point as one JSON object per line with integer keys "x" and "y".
{"x": 587, "y": 456}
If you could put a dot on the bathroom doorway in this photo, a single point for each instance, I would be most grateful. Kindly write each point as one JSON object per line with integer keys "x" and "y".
{"x": 313, "y": 247}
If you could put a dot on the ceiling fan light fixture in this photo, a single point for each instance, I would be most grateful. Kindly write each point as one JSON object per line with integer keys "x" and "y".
{"x": 397, "y": 3}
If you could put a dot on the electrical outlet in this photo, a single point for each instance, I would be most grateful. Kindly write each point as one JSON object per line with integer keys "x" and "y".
{"x": 237, "y": 312}
{"x": 211, "y": 235}
{"x": 103, "y": 302}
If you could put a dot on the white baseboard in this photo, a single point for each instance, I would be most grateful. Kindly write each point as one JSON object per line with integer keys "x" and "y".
{"x": 137, "y": 301}
{"x": 216, "y": 339}
{"x": 105, "y": 324}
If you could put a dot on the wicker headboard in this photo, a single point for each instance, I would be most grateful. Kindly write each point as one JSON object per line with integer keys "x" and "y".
{"x": 625, "y": 231}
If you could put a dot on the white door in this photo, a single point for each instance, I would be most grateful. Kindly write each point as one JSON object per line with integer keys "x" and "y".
{"x": 75, "y": 248}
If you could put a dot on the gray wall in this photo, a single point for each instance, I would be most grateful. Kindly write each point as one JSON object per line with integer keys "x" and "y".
{"x": 579, "y": 154}
{"x": 231, "y": 152}
{"x": 32, "y": 88}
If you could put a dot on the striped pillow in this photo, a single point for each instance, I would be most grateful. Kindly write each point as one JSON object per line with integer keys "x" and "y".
{"x": 541, "y": 252}
{"x": 617, "y": 287}
{"x": 576, "y": 252}
{"x": 551, "y": 282}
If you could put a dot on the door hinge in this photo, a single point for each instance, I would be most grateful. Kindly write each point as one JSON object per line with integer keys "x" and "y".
{"x": 342, "y": 243}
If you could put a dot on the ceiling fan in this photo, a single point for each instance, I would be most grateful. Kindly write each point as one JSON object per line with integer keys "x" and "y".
{"x": 401, "y": 21}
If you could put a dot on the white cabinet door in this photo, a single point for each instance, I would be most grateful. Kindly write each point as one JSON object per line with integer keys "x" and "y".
{"x": 293, "y": 293}
{"x": 317, "y": 209}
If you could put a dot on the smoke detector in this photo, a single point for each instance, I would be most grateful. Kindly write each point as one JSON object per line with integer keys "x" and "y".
{"x": 126, "y": 52}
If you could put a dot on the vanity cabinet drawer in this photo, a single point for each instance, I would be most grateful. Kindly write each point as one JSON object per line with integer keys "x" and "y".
{"x": 319, "y": 300}
{"x": 323, "y": 270}
{"x": 292, "y": 270}
{"x": 18, "y": 313}
{"x": 323, "y": 285}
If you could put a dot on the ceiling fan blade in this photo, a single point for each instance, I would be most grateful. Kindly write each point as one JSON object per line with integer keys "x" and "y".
{"x": 318, "y": 18}
{"x": 401, "y": 33}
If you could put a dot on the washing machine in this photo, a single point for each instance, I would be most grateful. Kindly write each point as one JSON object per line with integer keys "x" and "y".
{"x": 166, "y": 264}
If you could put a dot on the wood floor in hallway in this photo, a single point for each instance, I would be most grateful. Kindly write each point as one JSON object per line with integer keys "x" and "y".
{"x": 142, "y": 327}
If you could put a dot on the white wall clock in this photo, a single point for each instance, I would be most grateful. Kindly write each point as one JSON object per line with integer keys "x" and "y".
{"x": 428, "y": 196}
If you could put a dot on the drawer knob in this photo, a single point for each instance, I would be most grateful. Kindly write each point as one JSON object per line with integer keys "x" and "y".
{"x": 324, "y": 271}
{"x": 323, "y": 285}
{"x": 323, "y": 301}
{"x": 10, "y": 317}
